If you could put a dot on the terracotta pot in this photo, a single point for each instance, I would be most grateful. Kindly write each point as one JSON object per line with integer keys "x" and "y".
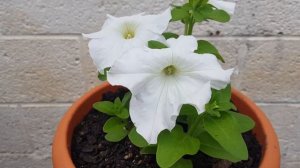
{"x": 61, "y": 156}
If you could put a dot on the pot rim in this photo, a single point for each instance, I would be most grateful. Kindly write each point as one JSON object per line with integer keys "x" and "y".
{"x": 61, "y": 154}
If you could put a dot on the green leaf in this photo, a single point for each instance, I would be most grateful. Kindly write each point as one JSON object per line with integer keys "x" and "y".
{"x": 219, "y": 15}
{"x": 126, "y": 99}
{"x": 137, "y": 139}
{"x": 106, "y": 107}
{"x": 169, "y": 35}
{"x": 209, "y": 12}
{"x": 224, "y": 95}
{"x": 123, "y": 113}
{"x": 189, "y": 112}
{"x": 156, "y": 44}
{"x": 195, "y": 3}
{"x": 245, "y": 123}
{"x": 211, "y": 108}
{"x": 188, "y": 109}
{"x": 226, "y": 132}
{"x": 212, "y": 148}
{"x": 173, "y": 145}
{"x": 207, "y": 47}
{"x": 198, "y": 16}
{"x": 103, "y": 76}
{"x": 118, "y": 103}
{"x": 115, "y": 129}
{"x": 151, "y": 149}
{"x": 183, "y": 163}
{"x": 179, "y": 14}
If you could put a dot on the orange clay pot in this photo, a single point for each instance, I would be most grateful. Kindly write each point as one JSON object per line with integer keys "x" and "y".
{"x": 263, "y": 130}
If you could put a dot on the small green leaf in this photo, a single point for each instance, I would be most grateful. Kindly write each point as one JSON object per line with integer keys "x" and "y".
{"x": 169, "y": 35}
{"x": 115, "y": 129}
{"x": 156, "y": 44}
{"x": 179, "y": 14}
{"x": 173, "y": 145}
{"x": 183, "y": 163}
{"x": 209, "y": 12}
{"x": 126, "y": 99}
{"x": 137, "y": 139}
{"x": 123, "y": 113}
{"x": 219, "y": 15}
{"x": 118, "y": 103}
{"x": 207, "y": 47}
{"x": 226, "y": 132}
{"x": 245, "y": 123}
{"x": 212, "y": 148}
{"x": 151, "y": 149}
{"x": 103, "y": 76}
{"x": 106, "y": 107}
{"x": 222, "y": 97}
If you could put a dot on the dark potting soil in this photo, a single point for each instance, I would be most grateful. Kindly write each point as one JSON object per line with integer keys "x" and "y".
{"x": 90, "y": 149}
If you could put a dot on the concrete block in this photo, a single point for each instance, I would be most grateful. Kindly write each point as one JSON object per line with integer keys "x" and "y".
{"x": 41, "y": 122}
{"x": 14, "y": 137}
{"x": 265, "y": 17}
{"x": 286, "y": 121}
{"x": 24, "y": 161}
{"x": 270, "y": 71}
{"x": 42, "y": 69}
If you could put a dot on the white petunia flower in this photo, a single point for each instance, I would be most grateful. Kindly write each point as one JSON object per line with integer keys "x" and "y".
{"x": 162, "y": 80}
{"x": 118, "y": 35}
{"x": 226, "y": 6}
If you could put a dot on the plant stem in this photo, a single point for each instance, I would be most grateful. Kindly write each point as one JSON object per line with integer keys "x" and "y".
{"x": 186, "y": 27}
{"x": 191, "y": 26}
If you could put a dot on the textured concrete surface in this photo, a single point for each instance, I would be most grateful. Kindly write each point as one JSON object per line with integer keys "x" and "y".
{"x": 44, "y": 66}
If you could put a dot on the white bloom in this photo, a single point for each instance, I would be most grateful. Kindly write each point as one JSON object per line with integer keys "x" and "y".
{"x": 161, "y": 80}
{"x": 118, "y": 35}
{"x": 226, "y": 6}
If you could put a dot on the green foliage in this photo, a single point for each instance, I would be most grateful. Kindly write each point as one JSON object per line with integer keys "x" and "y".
{"x": 168, "y": 35}
{"x": 173, "y": 145}
{"x": 212, "y": 148}
{"x": 137, "y": 139}
{"x": 156, "y": 44}
{"x": 209, "y": 12}
{"x": 151, "y": 149}
{"x": 103, "y": 76}
{"x": 116, "y": 126}
{"x": 183, "y": 163}
{"x": 207, "y": 47}
{"x": 225, "y": 130}
{"x": 245, "y": 123}
{"x": 220, "y": 101}
{"x": 180, "y": 13}
{"x": 117, "y": 108}
{"x": 115, "y": 129}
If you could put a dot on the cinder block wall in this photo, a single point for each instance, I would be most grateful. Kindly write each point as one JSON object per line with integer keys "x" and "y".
{"x": 44, "y": 66}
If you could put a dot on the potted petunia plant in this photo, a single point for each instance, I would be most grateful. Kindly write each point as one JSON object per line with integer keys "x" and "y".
{"x": 166, "y": 97}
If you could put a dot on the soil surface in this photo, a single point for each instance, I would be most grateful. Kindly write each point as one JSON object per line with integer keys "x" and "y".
{"x": 90, "y": 149}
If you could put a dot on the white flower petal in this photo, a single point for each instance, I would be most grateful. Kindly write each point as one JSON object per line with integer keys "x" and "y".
{"x": 183, "y": 44}
{"x": 138, "y": 66}
{"x": 157, "y": 107}
{"x": 118, "y": 35}
{"x": 158, "y": 23}
{"x": 226, "y": 6}
{"x": 206, "y": 67}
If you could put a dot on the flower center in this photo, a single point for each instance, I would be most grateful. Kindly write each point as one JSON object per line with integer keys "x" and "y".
{"x": 128, "y": 30}
{"x": 169, "y": 70}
